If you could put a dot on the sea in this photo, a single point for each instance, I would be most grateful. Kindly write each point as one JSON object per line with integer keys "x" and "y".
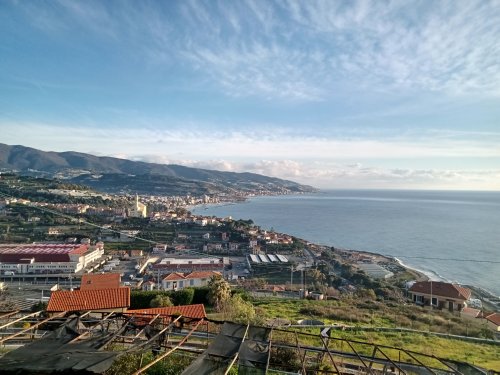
{"x": 448, "y": 235}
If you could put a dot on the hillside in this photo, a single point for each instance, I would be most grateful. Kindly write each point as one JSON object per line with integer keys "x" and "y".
{"x": 115, "y": 175}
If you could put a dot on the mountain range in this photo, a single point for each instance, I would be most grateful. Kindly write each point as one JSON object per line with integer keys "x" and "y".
{"x": 116, "y": 175}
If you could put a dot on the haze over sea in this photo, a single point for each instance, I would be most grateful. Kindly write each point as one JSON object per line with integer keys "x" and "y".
{"x": 449, "y": 235}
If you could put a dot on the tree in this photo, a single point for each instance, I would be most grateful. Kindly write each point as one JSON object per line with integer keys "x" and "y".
{"x": 183, "y": 297}
{"x": 317, "y": 277}
{"x": 238, "y": 310}
{"x": 219, "y": 291}
{"x": 161, "y": 301}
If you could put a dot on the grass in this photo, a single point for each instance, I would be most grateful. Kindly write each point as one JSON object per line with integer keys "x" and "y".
{"x": 377, "y": 314}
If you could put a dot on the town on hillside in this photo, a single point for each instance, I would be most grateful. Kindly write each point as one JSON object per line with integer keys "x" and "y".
{"x": 66, "y": 250}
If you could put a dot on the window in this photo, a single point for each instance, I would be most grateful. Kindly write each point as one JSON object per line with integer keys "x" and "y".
{"x": 434, "y": 301}
{"x": 191, "y": 282}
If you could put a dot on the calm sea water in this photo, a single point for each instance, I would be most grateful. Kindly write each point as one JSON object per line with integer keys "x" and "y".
{"x": 449, "y": 235}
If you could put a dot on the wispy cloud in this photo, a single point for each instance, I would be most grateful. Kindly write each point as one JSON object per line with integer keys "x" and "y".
{"x": 275, "y": 143}
{"x": 321, "y": 161}
{"x": 307, "y": 50}
{"x": 327, "y": 174}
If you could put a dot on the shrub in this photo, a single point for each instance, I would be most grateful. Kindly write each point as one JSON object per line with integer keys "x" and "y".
{"x": 183, "y": 296}
{"x": 201, "y": 295}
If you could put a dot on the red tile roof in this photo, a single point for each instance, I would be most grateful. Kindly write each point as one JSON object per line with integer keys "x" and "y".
{"x": 494, "y": 318}
{"x": 84, "y": 300}
{"x": 191, "y": 311}
{"x": 471, "y": 312}
{"x": 441, "y": 289}
{"x": 12, "y": 253}
{"x": 175, "y": 276}
{"x": 92, "y": 281}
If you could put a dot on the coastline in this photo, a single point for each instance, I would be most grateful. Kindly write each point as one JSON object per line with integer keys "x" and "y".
{"x": 492, "y": 300}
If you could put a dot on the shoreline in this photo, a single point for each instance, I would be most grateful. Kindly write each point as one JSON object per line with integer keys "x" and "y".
{"x": 420, "y": 275}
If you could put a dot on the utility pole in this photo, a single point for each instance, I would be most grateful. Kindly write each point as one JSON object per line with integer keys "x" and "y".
{"x": 291, "y": 277}
{"x": 431, "y": 297}
{"x": 302, "y": 283}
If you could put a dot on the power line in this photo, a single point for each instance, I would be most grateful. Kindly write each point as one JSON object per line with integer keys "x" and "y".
{"x": 444, "y": 259}
{"x": 82, "y": 221}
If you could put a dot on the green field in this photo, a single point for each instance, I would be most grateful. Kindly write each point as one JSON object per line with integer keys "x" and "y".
{"x": 358, "y": 315}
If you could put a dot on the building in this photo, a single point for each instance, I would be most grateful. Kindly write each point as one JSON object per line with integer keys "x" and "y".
{"x": 137, "y": 209}
{"x": 148, "y": 285}
{"x": 178, "y": 281}
{"x": 440, "y": 295}
{"x": 46, "y": 258}
{"x": 493, "y": 321}
{"x": 100, "y": 300}
{"x": 470, "y": 313}
{"x": 374, "y": 270}
{"x": 187, "y": 265}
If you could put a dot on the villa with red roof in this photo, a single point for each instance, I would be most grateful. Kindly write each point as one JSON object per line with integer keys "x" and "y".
{"x": 178, "y": 281}
{"x": 44, "y": 258}
{"x": 439, "y": 294}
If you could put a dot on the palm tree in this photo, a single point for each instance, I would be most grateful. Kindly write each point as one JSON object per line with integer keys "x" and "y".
{"x": 219, "y": 291}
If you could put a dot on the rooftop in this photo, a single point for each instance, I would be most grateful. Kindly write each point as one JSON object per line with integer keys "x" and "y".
{"x": 494, "y": 318}
{"x": 192, "y": 275}
{"x": 44, "y": 248}
{"x": 196, "y": 311}
{"x": 85, "y": 300}
{"x": 93, "y": 281}
{"x": 441, "y": 289}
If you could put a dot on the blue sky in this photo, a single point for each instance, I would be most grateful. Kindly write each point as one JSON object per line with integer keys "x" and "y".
{"x": 342, "y": 94}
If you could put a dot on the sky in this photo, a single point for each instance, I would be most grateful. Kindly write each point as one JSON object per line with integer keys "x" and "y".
{"x": 335, "y": 94}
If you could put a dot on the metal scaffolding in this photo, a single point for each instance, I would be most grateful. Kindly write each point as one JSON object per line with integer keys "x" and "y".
{"x": 91, "y": 342}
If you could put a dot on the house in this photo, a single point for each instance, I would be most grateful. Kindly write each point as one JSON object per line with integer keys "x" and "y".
{"x": 100, "y": 300}
{"x": 190, "y": 264}
{"x": 439, "y": 294}
{"x": 470, "y": 313}
{"x": 53, "y": 231}
{"x": 493, "y": 321}
{"x": 94, "y": 281}
{"x": 136, "y": 253}
{"x": 148, "y": 285}
{"x": 178, "y": 281}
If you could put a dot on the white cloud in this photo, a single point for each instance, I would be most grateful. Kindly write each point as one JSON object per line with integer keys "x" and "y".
{"x": 305, "y": 50}
{"x": 320, "y": 161}
{"x": 274, "y": 143}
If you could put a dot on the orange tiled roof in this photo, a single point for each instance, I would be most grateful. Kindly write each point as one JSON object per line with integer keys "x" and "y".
{"x": 190, "y": 311}
{"x": 494, "y": 318}
{"x": 92, "y": 281}
{"x": 471, "y": 312}
{"x": 174, "y": 276}
{"x": 84, "y": 300}
{"x": 441, "y": 289}
{"x": 202, "y": 274}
